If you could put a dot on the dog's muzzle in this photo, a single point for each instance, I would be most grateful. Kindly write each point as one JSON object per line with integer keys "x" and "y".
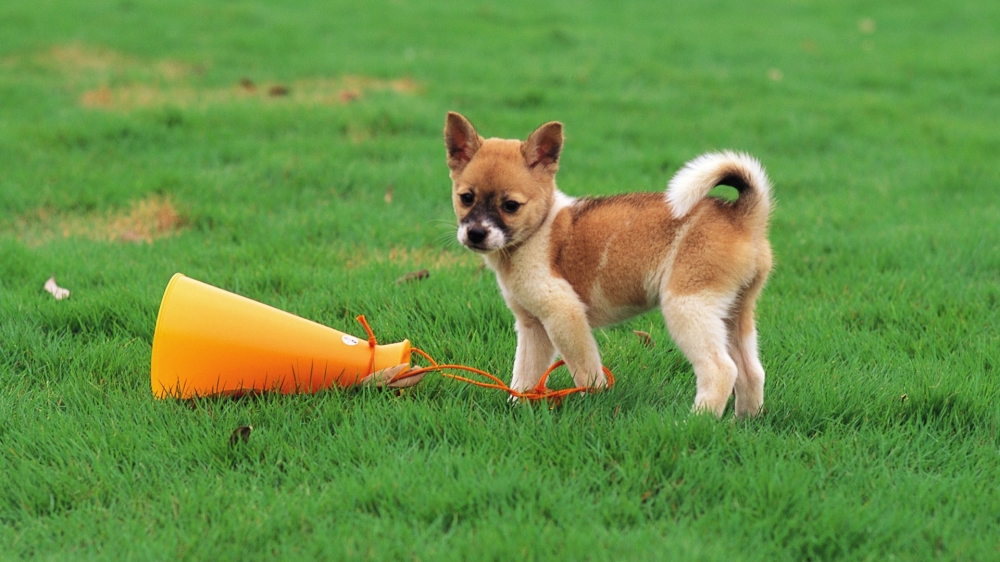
{"x": 481, "y": 237}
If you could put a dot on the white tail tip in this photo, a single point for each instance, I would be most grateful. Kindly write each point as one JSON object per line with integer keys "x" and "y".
{"x": 693, "y": 182}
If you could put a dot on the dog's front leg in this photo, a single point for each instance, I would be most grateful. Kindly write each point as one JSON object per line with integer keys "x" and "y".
{"x": 569, "y": 330}
{"x": 534, "y": 352}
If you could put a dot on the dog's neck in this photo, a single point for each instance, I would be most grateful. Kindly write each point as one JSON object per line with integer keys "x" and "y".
{"x": 503, "y": 260}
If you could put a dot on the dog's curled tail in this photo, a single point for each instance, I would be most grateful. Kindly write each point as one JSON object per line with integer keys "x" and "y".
{"x": 693, "y": 182}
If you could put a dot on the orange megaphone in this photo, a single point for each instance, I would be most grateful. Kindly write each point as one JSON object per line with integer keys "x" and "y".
{"x": 209, "y": 341}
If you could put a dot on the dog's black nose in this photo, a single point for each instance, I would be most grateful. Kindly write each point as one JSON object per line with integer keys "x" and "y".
{"x": 476, "y": 234}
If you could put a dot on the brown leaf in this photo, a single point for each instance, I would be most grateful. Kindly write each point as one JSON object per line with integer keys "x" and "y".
{"x": 645, "y": 338}
{"x": 278, "y": 90}
{"x": 413, "y": 276}
{"x": 247, "y": 84}
{"x": 240, "y": 435}
{"x": 388, "y": 195}
{"x": 393, "y": 377}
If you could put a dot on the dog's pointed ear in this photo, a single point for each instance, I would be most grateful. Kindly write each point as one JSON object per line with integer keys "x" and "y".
{"x": 461, "y": 140}
{"x": 541, "y": 150}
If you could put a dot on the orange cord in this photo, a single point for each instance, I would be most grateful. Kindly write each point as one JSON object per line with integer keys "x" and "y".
{"x": 372, "y": 342}
{"x": 539, "y": 392}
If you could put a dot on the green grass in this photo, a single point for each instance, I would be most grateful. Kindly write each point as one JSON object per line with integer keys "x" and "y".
{"x": 879, "y": 327}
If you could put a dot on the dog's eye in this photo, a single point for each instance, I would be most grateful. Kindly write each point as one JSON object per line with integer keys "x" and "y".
{"x": 467, "y": 198}
{"x": 511, "y": 206}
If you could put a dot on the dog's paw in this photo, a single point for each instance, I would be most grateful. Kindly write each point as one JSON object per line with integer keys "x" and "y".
{"x": 596, "y": 384}
{"x": 704, "y": 405}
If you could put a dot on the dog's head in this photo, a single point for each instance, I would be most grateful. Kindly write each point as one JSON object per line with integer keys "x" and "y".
{"x": 502, "y": 190}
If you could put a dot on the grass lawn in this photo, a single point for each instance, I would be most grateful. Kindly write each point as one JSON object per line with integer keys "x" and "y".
{"x": 292, "y": 153}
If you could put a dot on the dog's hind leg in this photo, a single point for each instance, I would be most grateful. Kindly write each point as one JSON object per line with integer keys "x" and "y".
{"x": 749, "y": 385}
{"x": 743, "y": 349}
{"x": 697, "y": 324}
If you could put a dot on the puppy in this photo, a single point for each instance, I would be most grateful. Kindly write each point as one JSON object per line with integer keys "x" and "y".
{"x": 566, "y": 266}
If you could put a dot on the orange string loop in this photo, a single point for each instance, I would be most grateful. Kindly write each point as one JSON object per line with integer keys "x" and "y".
{"x": 539, "y": 392}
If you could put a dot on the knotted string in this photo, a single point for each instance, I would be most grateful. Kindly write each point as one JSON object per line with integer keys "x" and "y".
{"x": 372, "y": 342}
{"x": 539, "y": 392}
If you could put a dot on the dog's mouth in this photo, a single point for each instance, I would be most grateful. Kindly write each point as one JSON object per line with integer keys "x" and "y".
{"x": 477, "y": 248}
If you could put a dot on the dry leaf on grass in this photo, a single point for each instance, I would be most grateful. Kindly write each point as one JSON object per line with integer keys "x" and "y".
{"x": 55, "y": 290}
{"x": 278, "y": 90}
{"x": 385, "y": 377}
{"x": 240, "y": 435}
{"x": 644, "y": 338}
{"x": 413, "y": 276}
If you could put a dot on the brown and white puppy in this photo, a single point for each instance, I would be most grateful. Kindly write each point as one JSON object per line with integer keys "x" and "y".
{"x": 568, "y": 265}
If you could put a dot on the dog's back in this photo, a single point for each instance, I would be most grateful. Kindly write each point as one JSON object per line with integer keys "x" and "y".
{"x": 620, "y": 252}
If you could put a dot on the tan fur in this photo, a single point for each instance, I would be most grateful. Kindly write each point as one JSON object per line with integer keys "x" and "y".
{"x": 565, "y": 266}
